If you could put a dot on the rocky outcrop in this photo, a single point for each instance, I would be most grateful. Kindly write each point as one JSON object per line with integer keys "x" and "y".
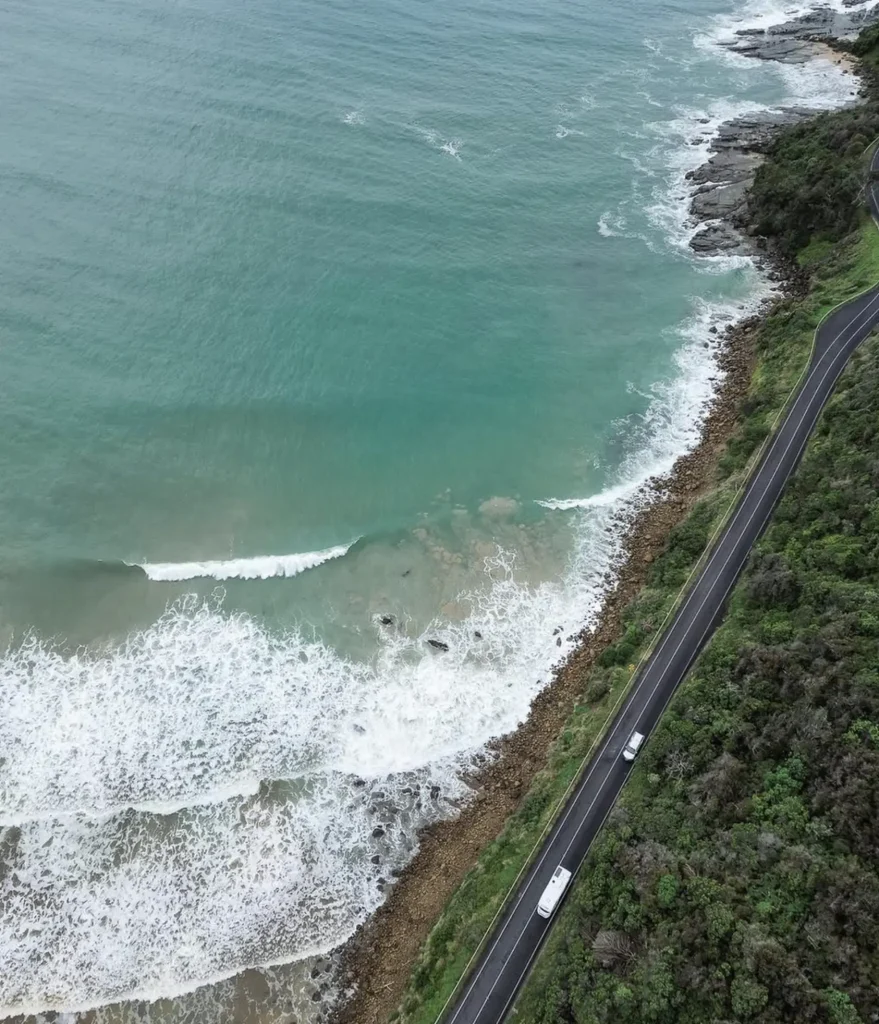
{"x": 792, "y": 42}
{"x": 721, "y": 198}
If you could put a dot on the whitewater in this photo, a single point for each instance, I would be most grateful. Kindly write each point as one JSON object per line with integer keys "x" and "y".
{"x": 261, "y": 567}
{"x": 212, "y": 792}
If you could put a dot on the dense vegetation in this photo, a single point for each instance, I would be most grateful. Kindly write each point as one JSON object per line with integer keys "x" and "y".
{"x": 695, "y": 904}
{"x": 811, "y": 186}
{"x": 738, "y": 880}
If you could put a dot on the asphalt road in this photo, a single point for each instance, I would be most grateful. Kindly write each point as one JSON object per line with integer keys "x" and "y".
{"x": 491, "y": 988}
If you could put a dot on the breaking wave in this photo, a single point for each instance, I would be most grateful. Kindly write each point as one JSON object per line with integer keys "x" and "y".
{"x": 260, "y": 568}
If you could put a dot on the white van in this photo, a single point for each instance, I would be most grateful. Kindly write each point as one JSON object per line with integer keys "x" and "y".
{"x": 633, "y": 746}
{"x": 549, "y": 900}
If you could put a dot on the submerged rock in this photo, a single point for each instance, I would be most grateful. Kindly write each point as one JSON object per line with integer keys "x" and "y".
{"x": 438, "y": 644}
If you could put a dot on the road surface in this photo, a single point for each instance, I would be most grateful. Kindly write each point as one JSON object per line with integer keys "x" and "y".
{"x": 489, "y": 991}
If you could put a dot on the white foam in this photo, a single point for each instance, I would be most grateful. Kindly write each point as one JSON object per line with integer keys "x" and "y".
{"x": 261, "y": 568}
{"x": 672, "y": 424}
{"x": 204, "y": 703}
{"x": 353, "y": 117}
{"x": 451, "y": 147}
{"x": 820, "y": 84}
{"x": 611, "y": 496}
{"x": 611, "y": 225}
{"x": 172, "y": 904}
{"x": 760, "y": 15}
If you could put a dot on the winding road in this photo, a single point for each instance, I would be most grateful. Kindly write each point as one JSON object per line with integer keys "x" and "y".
{"x": 490, "y": 989}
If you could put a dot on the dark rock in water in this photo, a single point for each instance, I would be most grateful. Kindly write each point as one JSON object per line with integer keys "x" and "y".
{"x": 435, "y": 792}
{"x": 376, "y": 859}
{"x": 406, "y": 573}
{"x": 477, "y": 635}
{"x": 386, "y": 620}
{"x": 558, "y": 641}
{"x": 358, "y": 728}
{"x": 439, "y": 645}
{"x": 396, "y": 872}
{"x": 381, "y": 881}
{"x": 315, "y": 972}
{"x": 358, "y": 783}
{"x": 316, "y": 997}
{"x": 719, "y": 238}
{"x": 378, "y": 832}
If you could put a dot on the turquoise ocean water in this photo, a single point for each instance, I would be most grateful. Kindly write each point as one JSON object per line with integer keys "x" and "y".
{"x": 315, "y": 313}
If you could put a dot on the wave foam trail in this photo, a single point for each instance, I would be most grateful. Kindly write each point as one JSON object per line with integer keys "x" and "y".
{"x": 260, "y": 568}
{"x": 203, "y": 702}
{"x": 672, "y": 424}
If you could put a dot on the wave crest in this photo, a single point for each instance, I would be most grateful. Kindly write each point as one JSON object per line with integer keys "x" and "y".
{"x": 263, "y": 567}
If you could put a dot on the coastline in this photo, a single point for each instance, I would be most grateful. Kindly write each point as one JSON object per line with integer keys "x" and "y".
{"x": 377, "y": 962}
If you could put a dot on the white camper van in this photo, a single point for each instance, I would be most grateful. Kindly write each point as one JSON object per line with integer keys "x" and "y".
{"x": 633, "y": 746}
{"x": 549, "y": 900}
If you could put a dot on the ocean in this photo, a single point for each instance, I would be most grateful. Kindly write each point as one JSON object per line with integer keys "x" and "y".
{"x": 327, "y": 329}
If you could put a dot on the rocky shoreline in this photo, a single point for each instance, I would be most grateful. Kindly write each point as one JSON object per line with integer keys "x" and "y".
{"x": 378, "y": 960}
{"x": 739, "y": 146}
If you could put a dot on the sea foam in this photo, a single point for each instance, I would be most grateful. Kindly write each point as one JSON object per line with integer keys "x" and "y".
{"x": 261, "y": 568}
